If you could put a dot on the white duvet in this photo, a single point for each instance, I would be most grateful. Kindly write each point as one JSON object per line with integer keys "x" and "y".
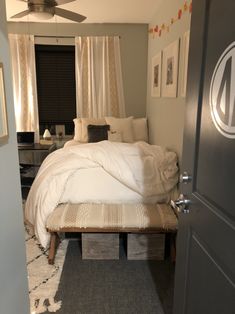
{"x": 147, "y": 172}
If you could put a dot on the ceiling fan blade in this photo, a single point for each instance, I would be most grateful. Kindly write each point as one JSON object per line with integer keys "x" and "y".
{"x": 70, "y": 15}
{"x": 21, "y": 14}
{"x": 60, "y": 2}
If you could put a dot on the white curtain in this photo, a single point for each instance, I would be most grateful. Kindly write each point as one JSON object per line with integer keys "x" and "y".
{"x": 24, "y": 83}
{"x": 99, "y": 86}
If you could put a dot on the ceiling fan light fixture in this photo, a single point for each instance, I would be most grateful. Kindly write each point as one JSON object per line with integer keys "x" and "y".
{"x": 46, "y": 9}
{"x": 41, "y": 12}
{"x": 41, "y": 15}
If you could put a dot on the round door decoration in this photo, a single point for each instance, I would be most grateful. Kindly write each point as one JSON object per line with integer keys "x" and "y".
{"x": 222, "y": 93}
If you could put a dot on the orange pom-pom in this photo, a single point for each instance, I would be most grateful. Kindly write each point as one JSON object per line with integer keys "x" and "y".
{"x": 185, "y": 6}
{"x": 179, "y": 14}
{"x": 156, "y": 29}
{"x": 191, "y": 7}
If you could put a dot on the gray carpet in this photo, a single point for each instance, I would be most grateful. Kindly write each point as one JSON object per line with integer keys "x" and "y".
{"x": 114, "y": 287}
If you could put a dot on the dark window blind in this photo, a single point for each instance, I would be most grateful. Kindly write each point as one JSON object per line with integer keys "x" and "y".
{"x": 55, "y": 68}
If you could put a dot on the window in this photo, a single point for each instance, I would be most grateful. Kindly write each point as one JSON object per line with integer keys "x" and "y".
{"x": 55, "y": 68}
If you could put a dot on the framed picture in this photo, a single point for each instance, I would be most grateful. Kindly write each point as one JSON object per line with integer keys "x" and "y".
{"x": 3, "y": 109}
{"x": 170, "y": 69}
{"x": 185, "y": 49}
{"x": 156, "y": 75}
{"x": 60, "y": 130}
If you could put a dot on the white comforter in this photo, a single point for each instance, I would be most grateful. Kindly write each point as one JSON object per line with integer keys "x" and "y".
{"x": 148, "y": 170}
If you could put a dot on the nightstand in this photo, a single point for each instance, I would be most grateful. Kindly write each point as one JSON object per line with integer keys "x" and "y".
{"x": 30, "y": 159}
{"x": 61, "y": 141}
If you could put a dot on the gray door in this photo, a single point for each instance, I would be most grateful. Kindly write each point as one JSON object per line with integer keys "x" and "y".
{"x": 205, "y": 263}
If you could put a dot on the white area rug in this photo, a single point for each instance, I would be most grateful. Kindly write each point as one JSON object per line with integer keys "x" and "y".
{"x": 43, "y": 278}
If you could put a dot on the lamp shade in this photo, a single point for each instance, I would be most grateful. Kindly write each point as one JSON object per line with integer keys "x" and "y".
{"x": 41, "y": 11}
{"x": 42, "y": 15}
{"x": 46, "y": 134}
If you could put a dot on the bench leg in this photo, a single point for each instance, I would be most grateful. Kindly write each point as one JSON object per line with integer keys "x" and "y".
{"x": 173, "y": 247}
{"x": 54, "y": 242}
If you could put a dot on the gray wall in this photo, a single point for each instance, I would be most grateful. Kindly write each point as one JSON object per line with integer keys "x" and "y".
{"x": 166, "y": 115}
{"x": 134, "y": 50}
{"x": 13, "y": 278}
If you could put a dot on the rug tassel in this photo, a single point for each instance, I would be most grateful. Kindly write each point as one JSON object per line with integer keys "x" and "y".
{"x": 33, "y": 307}
{"x": 41, "y": 308}
{"x": 54, "y": 306}
{"x": 38, "y": 306}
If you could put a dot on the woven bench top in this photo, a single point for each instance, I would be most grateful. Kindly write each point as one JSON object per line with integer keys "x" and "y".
{"x": 87, "y": 217}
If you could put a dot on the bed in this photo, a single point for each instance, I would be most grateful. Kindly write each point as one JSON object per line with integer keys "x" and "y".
{"x": 101, "y": 172}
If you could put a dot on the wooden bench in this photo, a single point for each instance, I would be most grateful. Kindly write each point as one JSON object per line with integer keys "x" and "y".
{"x": 133, "y": 219}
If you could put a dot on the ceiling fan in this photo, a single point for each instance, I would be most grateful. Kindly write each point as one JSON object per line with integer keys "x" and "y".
{"x": 46, "y": 9}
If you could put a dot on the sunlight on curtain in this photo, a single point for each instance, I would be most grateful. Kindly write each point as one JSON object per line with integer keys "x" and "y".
{"x": 99, "y": 86}
{"x": 24, "y": 83}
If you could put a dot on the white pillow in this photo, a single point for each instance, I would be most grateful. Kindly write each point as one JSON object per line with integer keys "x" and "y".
{"x": 140, "y": 129}
{"x": 85, "y": 122}
{"x": 123, "y": 126}
{"x": 77, "y": 129}
{"x": 114, "y": 136}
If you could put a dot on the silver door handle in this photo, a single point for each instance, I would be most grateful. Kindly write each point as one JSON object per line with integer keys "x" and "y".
{"x": 185, "y": 178}
{"x": 181, "y": 205}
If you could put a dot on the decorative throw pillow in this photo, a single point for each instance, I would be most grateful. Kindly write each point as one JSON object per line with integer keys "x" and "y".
{"x": 114, "y": 136}
{"x": 86, "y": 122}
{"x": 123, "y": 126}
{"x": 97, "y": 133}
{"x": 140, "y": 129}
{"x": 77, "y": 129}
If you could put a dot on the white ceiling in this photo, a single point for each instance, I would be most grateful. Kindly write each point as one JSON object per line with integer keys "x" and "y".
{"x": 96, "y": 11}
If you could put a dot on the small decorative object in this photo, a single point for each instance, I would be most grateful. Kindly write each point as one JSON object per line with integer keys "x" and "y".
{"x": 156, "y": 74}
{"x": 191, "y": 7}
{"x": 47, "y": 135}
{"x": 165, "y": 28}
{"x": 3, "y": 110}
{"x": 179, "y": 14}
{"x": 60, "y": 131}
{"x": 60, "y": 135}
{"x": 46, "y": 142}
{"x": 170, "y": 69}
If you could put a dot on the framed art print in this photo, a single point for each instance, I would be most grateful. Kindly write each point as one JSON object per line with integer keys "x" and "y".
{"x": 156, "y": 75}
{"x": 170, "y": 70}
{"x": 60, "y": 130}
{"x": 3, "y": 109}
{"x": 185, "y": 49}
